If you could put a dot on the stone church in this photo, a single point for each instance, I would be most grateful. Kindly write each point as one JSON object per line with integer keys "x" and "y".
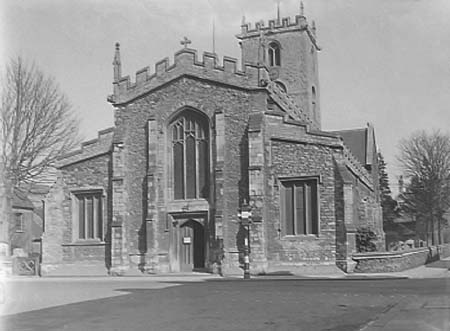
{"x": 194, "y": 140}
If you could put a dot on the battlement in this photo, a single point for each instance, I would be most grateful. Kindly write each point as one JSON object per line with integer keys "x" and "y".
{"x": 186, "y": 63}
{"x": 289, "y": 105}
{"x": 285, "y": 24}
{"x": 90, "y": 148}
{"x": 356, "y": 167}
{"x": 297, "y": 114}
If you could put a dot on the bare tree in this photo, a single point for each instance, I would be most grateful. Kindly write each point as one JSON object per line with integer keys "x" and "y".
{"x": 425, "y": 159}
{"x": 37, "y": 126}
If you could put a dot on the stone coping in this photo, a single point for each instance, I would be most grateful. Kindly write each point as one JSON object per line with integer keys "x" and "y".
{"x": 379, "y": 255}
{"x": 394, "y": 254}
{"x": 399, "y": 260}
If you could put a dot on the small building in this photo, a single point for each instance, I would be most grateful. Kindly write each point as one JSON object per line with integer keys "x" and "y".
{"x": 25, "y": 228}
{"x": 196, "y": 139}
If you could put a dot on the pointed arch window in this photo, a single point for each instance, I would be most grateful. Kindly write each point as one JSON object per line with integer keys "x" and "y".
{"x": 190, "y": 156}
{"x": 274, "y": 53}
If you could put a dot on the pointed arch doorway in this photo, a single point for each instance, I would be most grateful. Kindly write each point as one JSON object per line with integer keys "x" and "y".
{"x": 189, "y": 243}
{"x": 192, "y": 246}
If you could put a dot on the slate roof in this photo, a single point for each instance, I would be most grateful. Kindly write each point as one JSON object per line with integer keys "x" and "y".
{"x": 361, "y": 142}
{"x": 356, "y": 140}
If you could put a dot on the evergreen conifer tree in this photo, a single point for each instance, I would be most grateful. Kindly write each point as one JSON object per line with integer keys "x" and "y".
{"x": 388, "y": 204}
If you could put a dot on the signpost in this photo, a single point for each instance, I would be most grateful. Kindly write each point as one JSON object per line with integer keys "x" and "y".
{"x": 245, "y": 216}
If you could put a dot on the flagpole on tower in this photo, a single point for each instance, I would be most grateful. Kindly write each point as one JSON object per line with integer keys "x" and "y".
{"x": 278, "y": 11}
{"x": 214, "y": 35}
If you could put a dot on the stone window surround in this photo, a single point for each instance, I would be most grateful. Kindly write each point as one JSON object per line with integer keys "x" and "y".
{"x": 297, "y": 237}
{"x": 190, "y": 127}
{"x": 274, "y": 53}
{"x": 76, "y": 241}
{"x": 169, "y": 156}
{"x": 185, "y": 207}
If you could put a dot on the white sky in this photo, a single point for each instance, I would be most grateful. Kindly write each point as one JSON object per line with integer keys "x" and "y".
{"x": 383, "y": 61}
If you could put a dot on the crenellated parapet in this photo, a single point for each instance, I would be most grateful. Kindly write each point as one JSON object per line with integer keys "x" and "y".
{"x": 279, "y": 25}
{"x": 299, "y": 22}
{"x": 91, "y": 148}
{"x": 356, "y": 167}
{"x": 288, "y": 104}
{"x": 186, "y": 63}
{"x": 296, "y": 114}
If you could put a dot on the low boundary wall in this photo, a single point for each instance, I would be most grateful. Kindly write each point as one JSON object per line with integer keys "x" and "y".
{"x": 399, "y": 260}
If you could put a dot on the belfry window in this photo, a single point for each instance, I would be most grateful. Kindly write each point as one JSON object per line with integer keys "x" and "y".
{"x": 190, "y": 156}
{"x": 274, "y": 54}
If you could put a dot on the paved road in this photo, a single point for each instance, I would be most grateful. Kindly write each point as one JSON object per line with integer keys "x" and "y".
{"x": 217, "y": 304}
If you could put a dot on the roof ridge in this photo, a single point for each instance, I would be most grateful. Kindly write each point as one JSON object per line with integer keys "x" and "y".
{"x": 355, "y": 129}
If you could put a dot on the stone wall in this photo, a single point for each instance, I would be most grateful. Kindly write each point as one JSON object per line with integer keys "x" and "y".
{"x": 296, "y": 160}
{"x": 63, "y": 253}
{"x": 298, "y": 70}
{"x": 303, "y": 155}
{"x": 346, "y": 200}
{"x": 399, "y": 261}
{"x": 22, "y": 239}
{"x": 146, "y": 158}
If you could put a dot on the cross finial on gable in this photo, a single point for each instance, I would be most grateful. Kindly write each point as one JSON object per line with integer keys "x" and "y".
{"x": 185, "y": 42}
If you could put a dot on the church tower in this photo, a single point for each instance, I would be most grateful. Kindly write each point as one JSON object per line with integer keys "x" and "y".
{"x": 289, "y": 50}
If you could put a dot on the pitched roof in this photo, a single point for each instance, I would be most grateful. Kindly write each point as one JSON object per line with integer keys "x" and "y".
{"x": 361, "y": 143}
{"x": 355, "y": 140}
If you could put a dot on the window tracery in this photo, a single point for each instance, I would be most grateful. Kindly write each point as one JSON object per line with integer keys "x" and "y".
{"x": 190, "y": 156}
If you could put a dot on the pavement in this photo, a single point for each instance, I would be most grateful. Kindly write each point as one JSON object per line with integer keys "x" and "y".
{"x": 422, "y": 315}
{"x": 438, "y": 269}
{"x": 22, "y": 294}
{"x": 25, "y": 294}
{"x": 433, "y": 270}
{"x": 140, "y": 303}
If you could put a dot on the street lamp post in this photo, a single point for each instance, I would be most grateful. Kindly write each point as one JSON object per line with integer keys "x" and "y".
{"x": 245, "y": 215}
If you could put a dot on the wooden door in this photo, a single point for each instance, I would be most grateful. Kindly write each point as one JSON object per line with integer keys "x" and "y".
{"x": 192, "y": 246}
{"x": 187, "y": 247}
